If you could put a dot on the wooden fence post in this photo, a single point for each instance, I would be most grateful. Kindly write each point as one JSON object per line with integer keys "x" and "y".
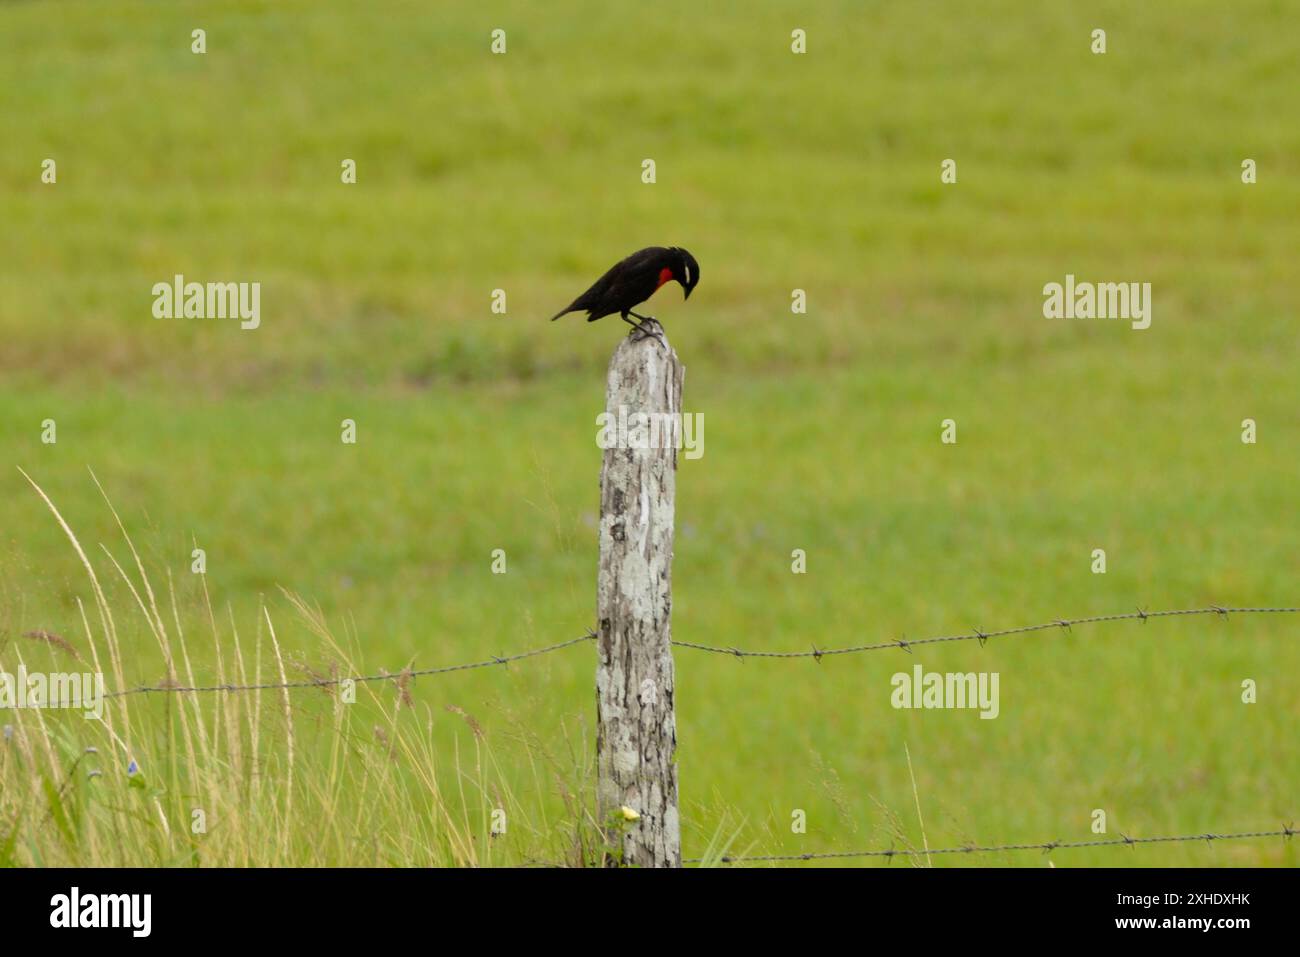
{"x": 636, "y": 726}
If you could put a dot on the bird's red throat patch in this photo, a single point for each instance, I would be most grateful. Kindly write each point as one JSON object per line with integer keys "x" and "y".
{"x": 665, "y": 275}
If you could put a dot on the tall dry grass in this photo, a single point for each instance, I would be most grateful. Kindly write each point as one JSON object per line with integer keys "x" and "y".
{"x": 262, "y": 777}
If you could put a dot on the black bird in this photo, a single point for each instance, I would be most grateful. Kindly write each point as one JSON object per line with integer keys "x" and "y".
{"x": 634, "y": 280}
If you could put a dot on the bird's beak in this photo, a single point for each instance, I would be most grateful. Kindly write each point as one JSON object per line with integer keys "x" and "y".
{"x": 687, "y": 293}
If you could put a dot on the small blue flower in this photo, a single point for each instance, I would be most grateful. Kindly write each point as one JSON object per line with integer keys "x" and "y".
{"x": 132, "y": 768}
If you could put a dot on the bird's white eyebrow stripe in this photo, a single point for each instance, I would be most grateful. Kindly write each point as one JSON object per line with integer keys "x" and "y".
{"x": 686, "y": 267}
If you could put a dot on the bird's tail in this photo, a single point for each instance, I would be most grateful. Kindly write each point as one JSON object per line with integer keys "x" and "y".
{"x": 562, "y": 312}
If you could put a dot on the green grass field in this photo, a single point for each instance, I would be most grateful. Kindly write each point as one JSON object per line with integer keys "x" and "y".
{"x": 476, "y": 431}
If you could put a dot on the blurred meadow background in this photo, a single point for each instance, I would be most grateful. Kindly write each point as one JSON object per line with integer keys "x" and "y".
{"x": 477, "y": 431}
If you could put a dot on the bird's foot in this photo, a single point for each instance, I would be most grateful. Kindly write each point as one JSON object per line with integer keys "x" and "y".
{"x": 648, "y": 328}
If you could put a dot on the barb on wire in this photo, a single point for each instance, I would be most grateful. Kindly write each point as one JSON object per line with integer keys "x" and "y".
{"x": 329, "y": 682}
{"x": 1285, "y": 832}
{"x": 1062, "y": 624}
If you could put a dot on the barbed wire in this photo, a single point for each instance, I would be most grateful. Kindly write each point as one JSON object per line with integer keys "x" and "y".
{"x": 817, "y": 653}
{"x": 332, "y": 682}
{"x": 1286, "y": 832}
{"x": 907, "y": 644}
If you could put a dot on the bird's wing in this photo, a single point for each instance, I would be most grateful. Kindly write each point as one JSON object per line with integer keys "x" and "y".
{"x": 629, "y": 282}
{"x": 626, "y": 278}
